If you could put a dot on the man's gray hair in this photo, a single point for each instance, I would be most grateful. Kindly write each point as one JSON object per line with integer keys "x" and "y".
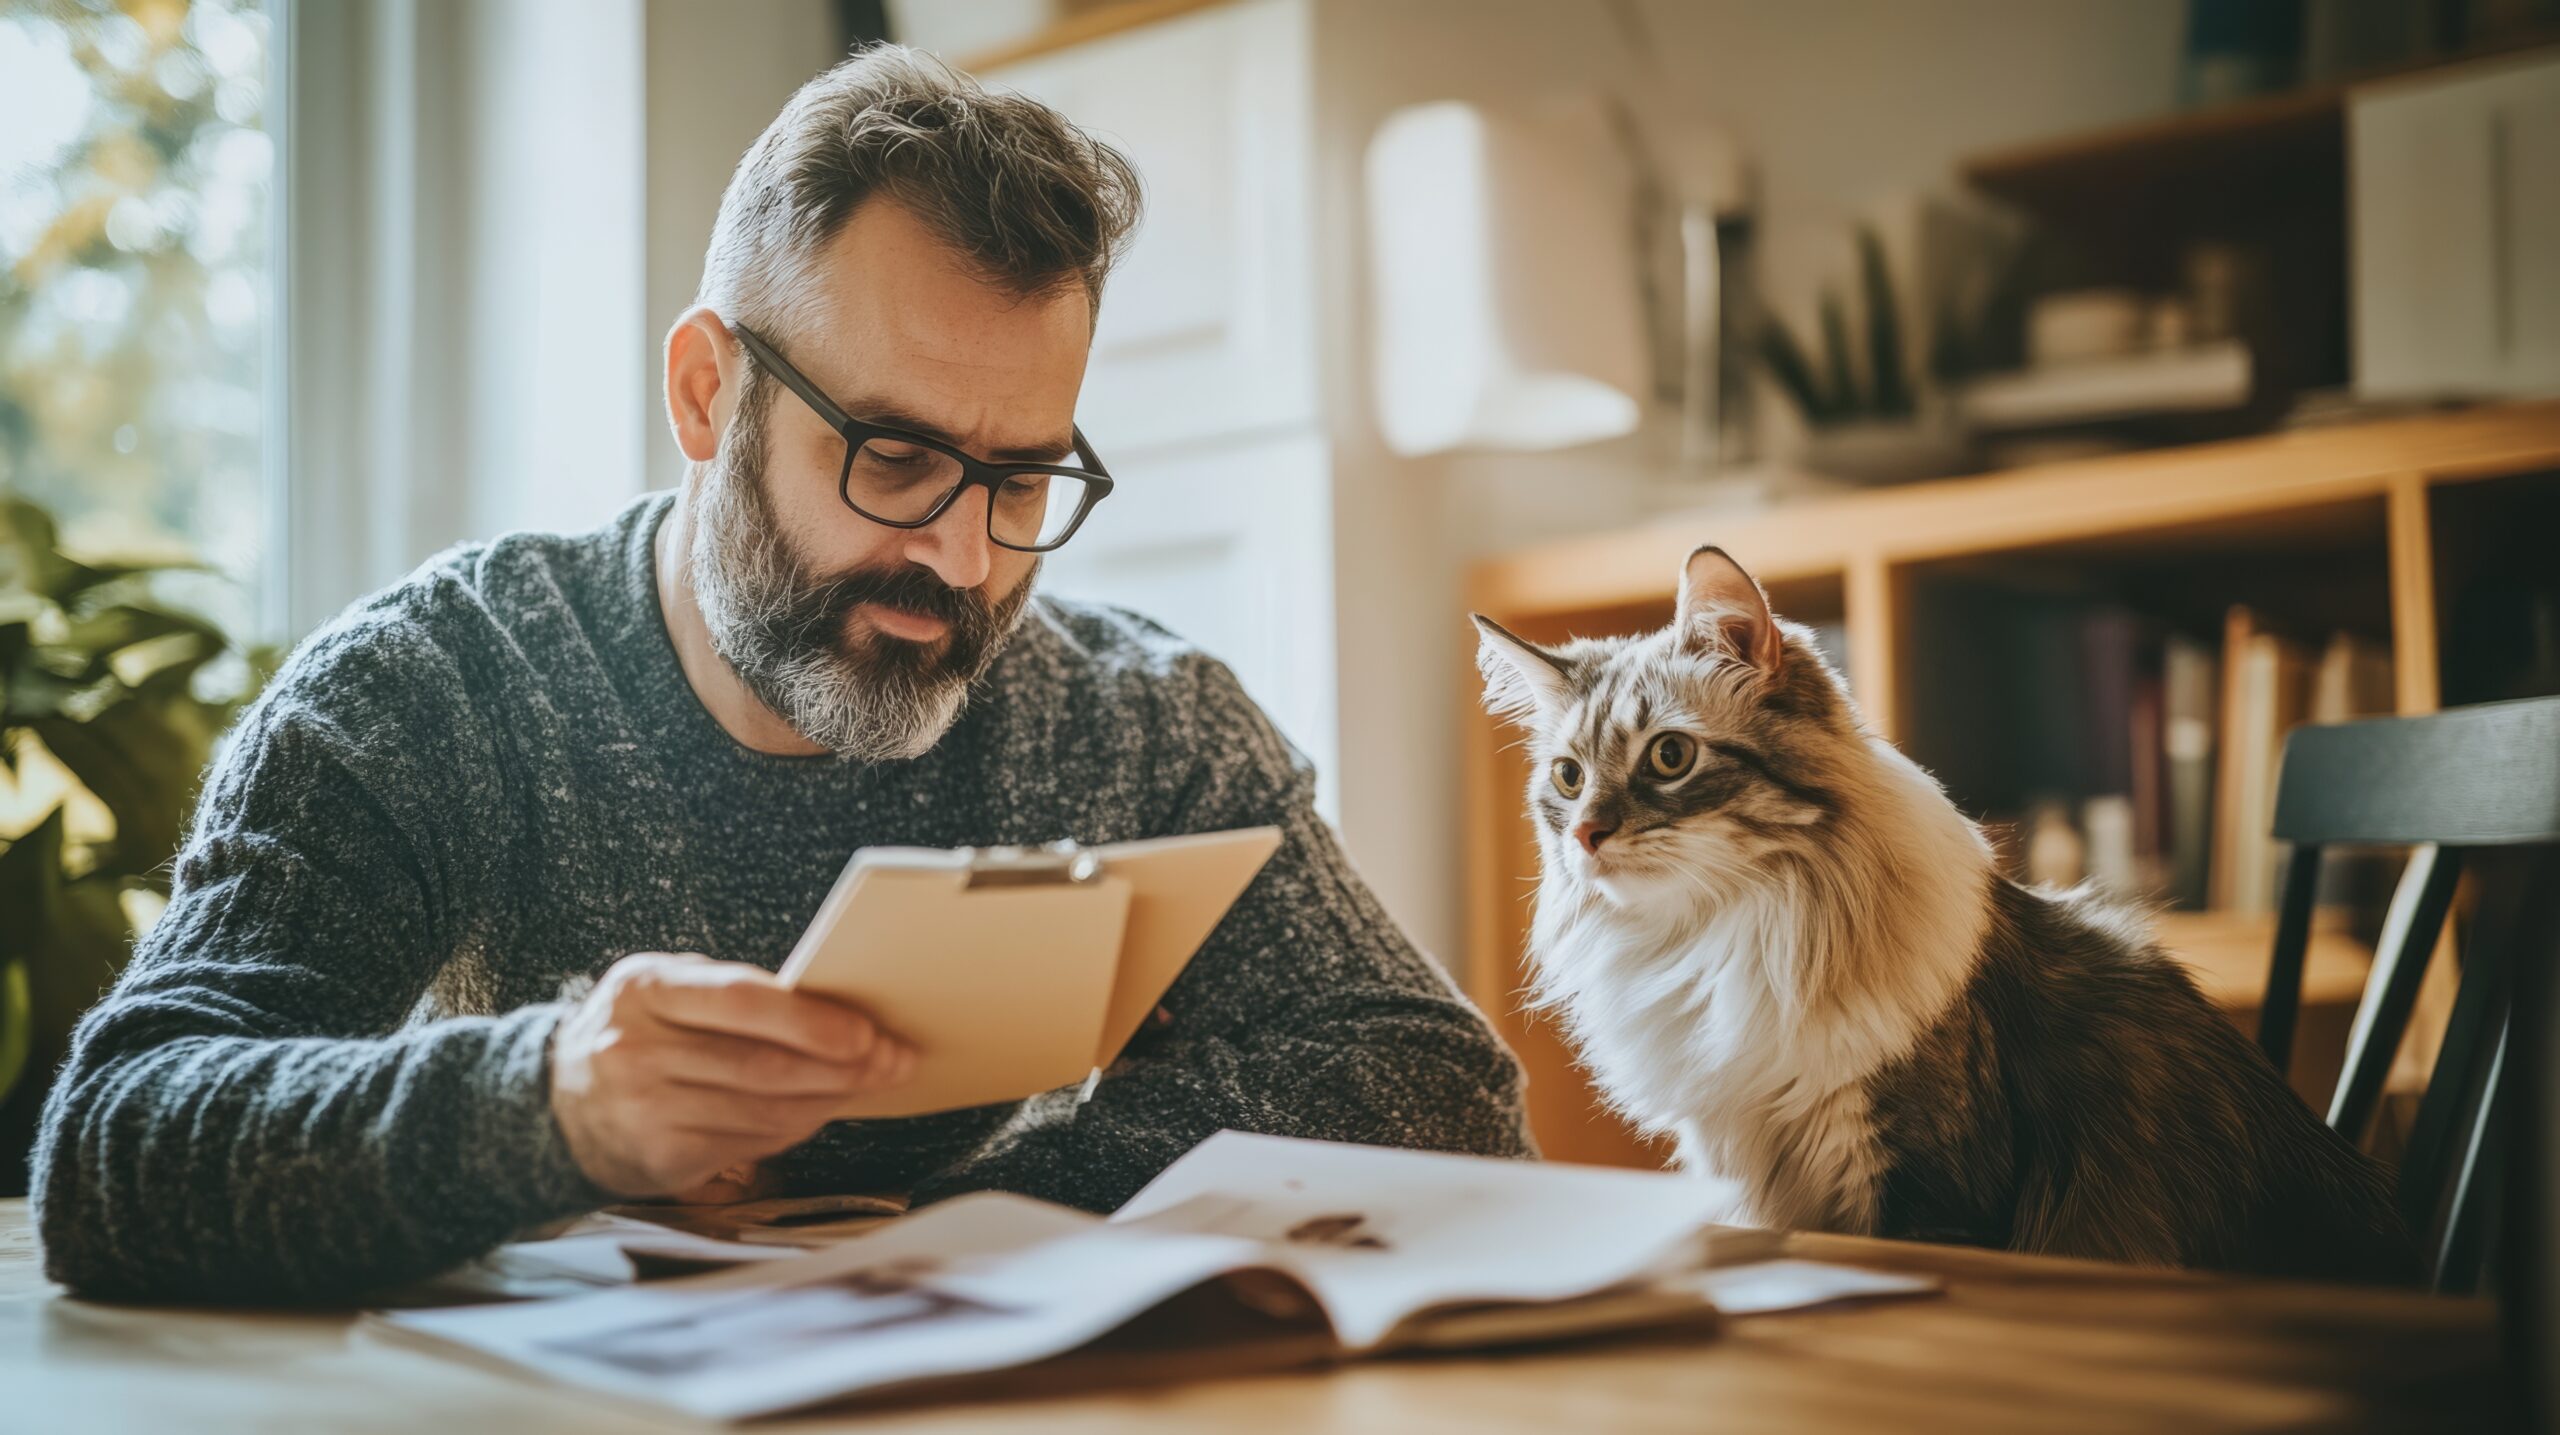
{"x": 1031, "y": 201}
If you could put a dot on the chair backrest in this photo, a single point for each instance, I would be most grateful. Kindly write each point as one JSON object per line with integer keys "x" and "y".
{"x": 2530, "y": 1311}
{"x": 2485, "y": 776}
{"x": 2472, "y": 790}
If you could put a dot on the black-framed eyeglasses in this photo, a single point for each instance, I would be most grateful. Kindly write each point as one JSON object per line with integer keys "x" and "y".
{"x": 906, "y": 480}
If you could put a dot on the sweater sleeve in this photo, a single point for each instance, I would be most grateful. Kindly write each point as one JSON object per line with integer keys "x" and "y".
{"x": 1306, "y": 1013}
{"x": 244, "y": 1117}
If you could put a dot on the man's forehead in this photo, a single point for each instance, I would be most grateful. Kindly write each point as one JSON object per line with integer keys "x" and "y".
{"x": 898, "y": 318}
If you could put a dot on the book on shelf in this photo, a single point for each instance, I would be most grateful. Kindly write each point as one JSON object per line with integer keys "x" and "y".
{"x": 2173, "y": 788}
{"x": 2122, "y": 750}
{"x": 2353, "y": 680}
{"x": 2271, "y": 684}
{"x": 2187, "y": 701}
{"x": 2147, "y": 776}
{"x": 2260, "y": 701}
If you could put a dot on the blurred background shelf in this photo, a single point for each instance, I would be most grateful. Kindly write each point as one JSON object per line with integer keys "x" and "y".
{"x": 2226, "y": 953}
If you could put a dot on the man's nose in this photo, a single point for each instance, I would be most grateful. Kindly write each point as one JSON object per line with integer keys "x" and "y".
{"x": 955, "y": 546}
{"x": 1590, "y": 833}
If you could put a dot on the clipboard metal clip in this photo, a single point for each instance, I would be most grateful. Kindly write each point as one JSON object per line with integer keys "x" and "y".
{"x": 1061, "y": 863}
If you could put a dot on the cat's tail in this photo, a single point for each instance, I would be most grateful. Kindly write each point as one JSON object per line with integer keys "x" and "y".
{"x": 2339, "y": 1222}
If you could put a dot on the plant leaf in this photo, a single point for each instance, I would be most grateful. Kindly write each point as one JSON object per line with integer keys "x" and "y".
{"x": 43, "y": 568}
{"x": 30, "y": 876}
{"x": 84, "y": 950}
{"x": 142, "y": 756}
{"x": 1787, "y": 365}
{"x": 1846, "y": 401}
{"x": 17, "y": 1024}
{"x": 114, "y": 628}
{"x": 15, "y": 640}
{"x": 1888, "y": 374}
{"x": 69, "y": 935}
{"x": 26, "y": 540}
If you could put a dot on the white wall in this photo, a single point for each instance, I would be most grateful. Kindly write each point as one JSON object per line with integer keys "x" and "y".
{"x": 550, "y": 240}
{"x": 1842, "y": 103}
{"x": 496, "y": 210}
{"x": 717, "y": 74}
{"x": 462, "y": 193}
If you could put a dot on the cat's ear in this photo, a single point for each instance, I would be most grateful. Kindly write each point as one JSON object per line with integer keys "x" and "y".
{"x": 1722, "y": 609}
{"x": 1520, "y": 677}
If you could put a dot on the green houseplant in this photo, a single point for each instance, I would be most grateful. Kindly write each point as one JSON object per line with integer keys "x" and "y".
{"x": 126, "y": 693}
{"x": 1870, "y": 413}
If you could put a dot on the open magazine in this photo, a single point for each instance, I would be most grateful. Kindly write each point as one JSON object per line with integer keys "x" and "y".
{"x": 1333, "y": 1250}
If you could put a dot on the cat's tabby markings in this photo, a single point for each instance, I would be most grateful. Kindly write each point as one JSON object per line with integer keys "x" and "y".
{"x": 1773, "y": 939}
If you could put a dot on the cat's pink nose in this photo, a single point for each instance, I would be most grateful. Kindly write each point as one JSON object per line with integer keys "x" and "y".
{"x": 1591, "y": 834}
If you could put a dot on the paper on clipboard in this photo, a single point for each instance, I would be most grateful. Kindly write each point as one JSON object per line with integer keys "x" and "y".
{"x": 1010, "y": 975}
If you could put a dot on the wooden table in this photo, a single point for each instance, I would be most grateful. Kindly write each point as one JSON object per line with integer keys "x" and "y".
{"x": 2016, "y": 1344}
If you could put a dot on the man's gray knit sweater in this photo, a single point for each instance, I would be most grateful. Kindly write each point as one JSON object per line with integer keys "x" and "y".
{"x": 327, "y": 1069}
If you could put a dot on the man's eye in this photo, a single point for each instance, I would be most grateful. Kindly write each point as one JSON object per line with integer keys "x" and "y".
{"x": 1024, "y": 491}
{"x": 882, "y": 454}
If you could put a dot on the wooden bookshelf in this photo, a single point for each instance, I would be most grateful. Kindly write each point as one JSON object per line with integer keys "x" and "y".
{"x": 1076, "y": 24}
{"x": 2242, "y": 140}
{"x": 2360, "y": 506}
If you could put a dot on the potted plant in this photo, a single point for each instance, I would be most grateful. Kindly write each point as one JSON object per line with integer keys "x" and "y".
{"x": 1867, "y": 418}
{"x": 124, "y": 695}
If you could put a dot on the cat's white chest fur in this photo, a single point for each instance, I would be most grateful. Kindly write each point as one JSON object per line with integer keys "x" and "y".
{"x": 1747, "y": 1027}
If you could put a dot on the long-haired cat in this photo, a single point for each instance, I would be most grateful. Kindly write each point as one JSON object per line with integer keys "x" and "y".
{"x": 1774, "y": 939}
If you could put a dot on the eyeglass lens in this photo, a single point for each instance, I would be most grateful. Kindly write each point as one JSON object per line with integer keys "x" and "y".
{"x": 902, "y": 482}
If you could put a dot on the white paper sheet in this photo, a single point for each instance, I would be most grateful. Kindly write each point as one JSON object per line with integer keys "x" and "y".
{"x": 1379, "y": 1234}
{"x": 983, "y": 1282}
{"x": 601, "y": 1246}
{"x": 590, "y": 1253}
{"x": 1766, "y": 1287}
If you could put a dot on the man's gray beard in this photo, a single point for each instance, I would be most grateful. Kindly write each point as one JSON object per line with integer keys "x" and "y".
{"x": 745, "y": 579}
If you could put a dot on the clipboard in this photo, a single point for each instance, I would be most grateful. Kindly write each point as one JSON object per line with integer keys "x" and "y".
{"x": 1015, "y": 971}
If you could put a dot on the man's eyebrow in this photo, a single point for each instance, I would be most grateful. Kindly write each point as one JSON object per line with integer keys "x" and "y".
{"x": 883, "y": 414}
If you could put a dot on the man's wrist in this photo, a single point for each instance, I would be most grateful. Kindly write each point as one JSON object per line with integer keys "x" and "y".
{"x": 527, "y": 1156}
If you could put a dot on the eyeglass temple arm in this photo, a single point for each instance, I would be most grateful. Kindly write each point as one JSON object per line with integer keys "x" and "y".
{"x": 1085, "y": 454}
{"x": 792, "y": 378}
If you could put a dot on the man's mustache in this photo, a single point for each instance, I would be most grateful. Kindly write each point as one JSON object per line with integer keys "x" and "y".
{"x": 820, "y": 611}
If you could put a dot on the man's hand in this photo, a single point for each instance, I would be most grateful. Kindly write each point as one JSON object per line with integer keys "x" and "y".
{"x": 677, "y": 1068}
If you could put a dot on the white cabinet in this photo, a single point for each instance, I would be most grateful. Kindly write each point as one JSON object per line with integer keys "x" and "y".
{"x": 1207, "y": 329}
{"x": 1227, "y": 545}
{"x": 2454, "y": 188}
{"x": 1201, "y": 395}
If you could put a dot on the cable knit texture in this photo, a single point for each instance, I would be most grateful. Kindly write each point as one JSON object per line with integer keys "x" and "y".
{"x": 327, "y": 1069}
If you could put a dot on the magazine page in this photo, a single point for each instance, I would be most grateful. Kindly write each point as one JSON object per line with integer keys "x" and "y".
{"x": 982, "y": 1282}
{"x": 1379, "y": 1235}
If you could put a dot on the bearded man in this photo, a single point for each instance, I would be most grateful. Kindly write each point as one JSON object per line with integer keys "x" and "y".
{"x": 477, "y": 924}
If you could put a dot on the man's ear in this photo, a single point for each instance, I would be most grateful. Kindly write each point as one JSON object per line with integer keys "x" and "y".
{"x": 703, "y": 374}
{"x": 1520, "y": 678}
{"x": 1722, "y": 609}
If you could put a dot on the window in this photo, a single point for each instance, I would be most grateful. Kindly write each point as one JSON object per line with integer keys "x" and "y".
{"x": 135, "y": 175}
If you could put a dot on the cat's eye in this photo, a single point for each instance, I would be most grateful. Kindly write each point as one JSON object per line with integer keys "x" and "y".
{"x": 1670, "y": 755}
{"x": 1566, "y": 774}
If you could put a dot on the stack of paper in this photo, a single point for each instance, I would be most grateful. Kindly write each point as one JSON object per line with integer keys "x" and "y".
{"x": 1347, "y": 1249}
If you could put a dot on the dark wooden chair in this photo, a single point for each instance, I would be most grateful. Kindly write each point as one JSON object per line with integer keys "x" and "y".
{"x": 2473, "y": 790}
